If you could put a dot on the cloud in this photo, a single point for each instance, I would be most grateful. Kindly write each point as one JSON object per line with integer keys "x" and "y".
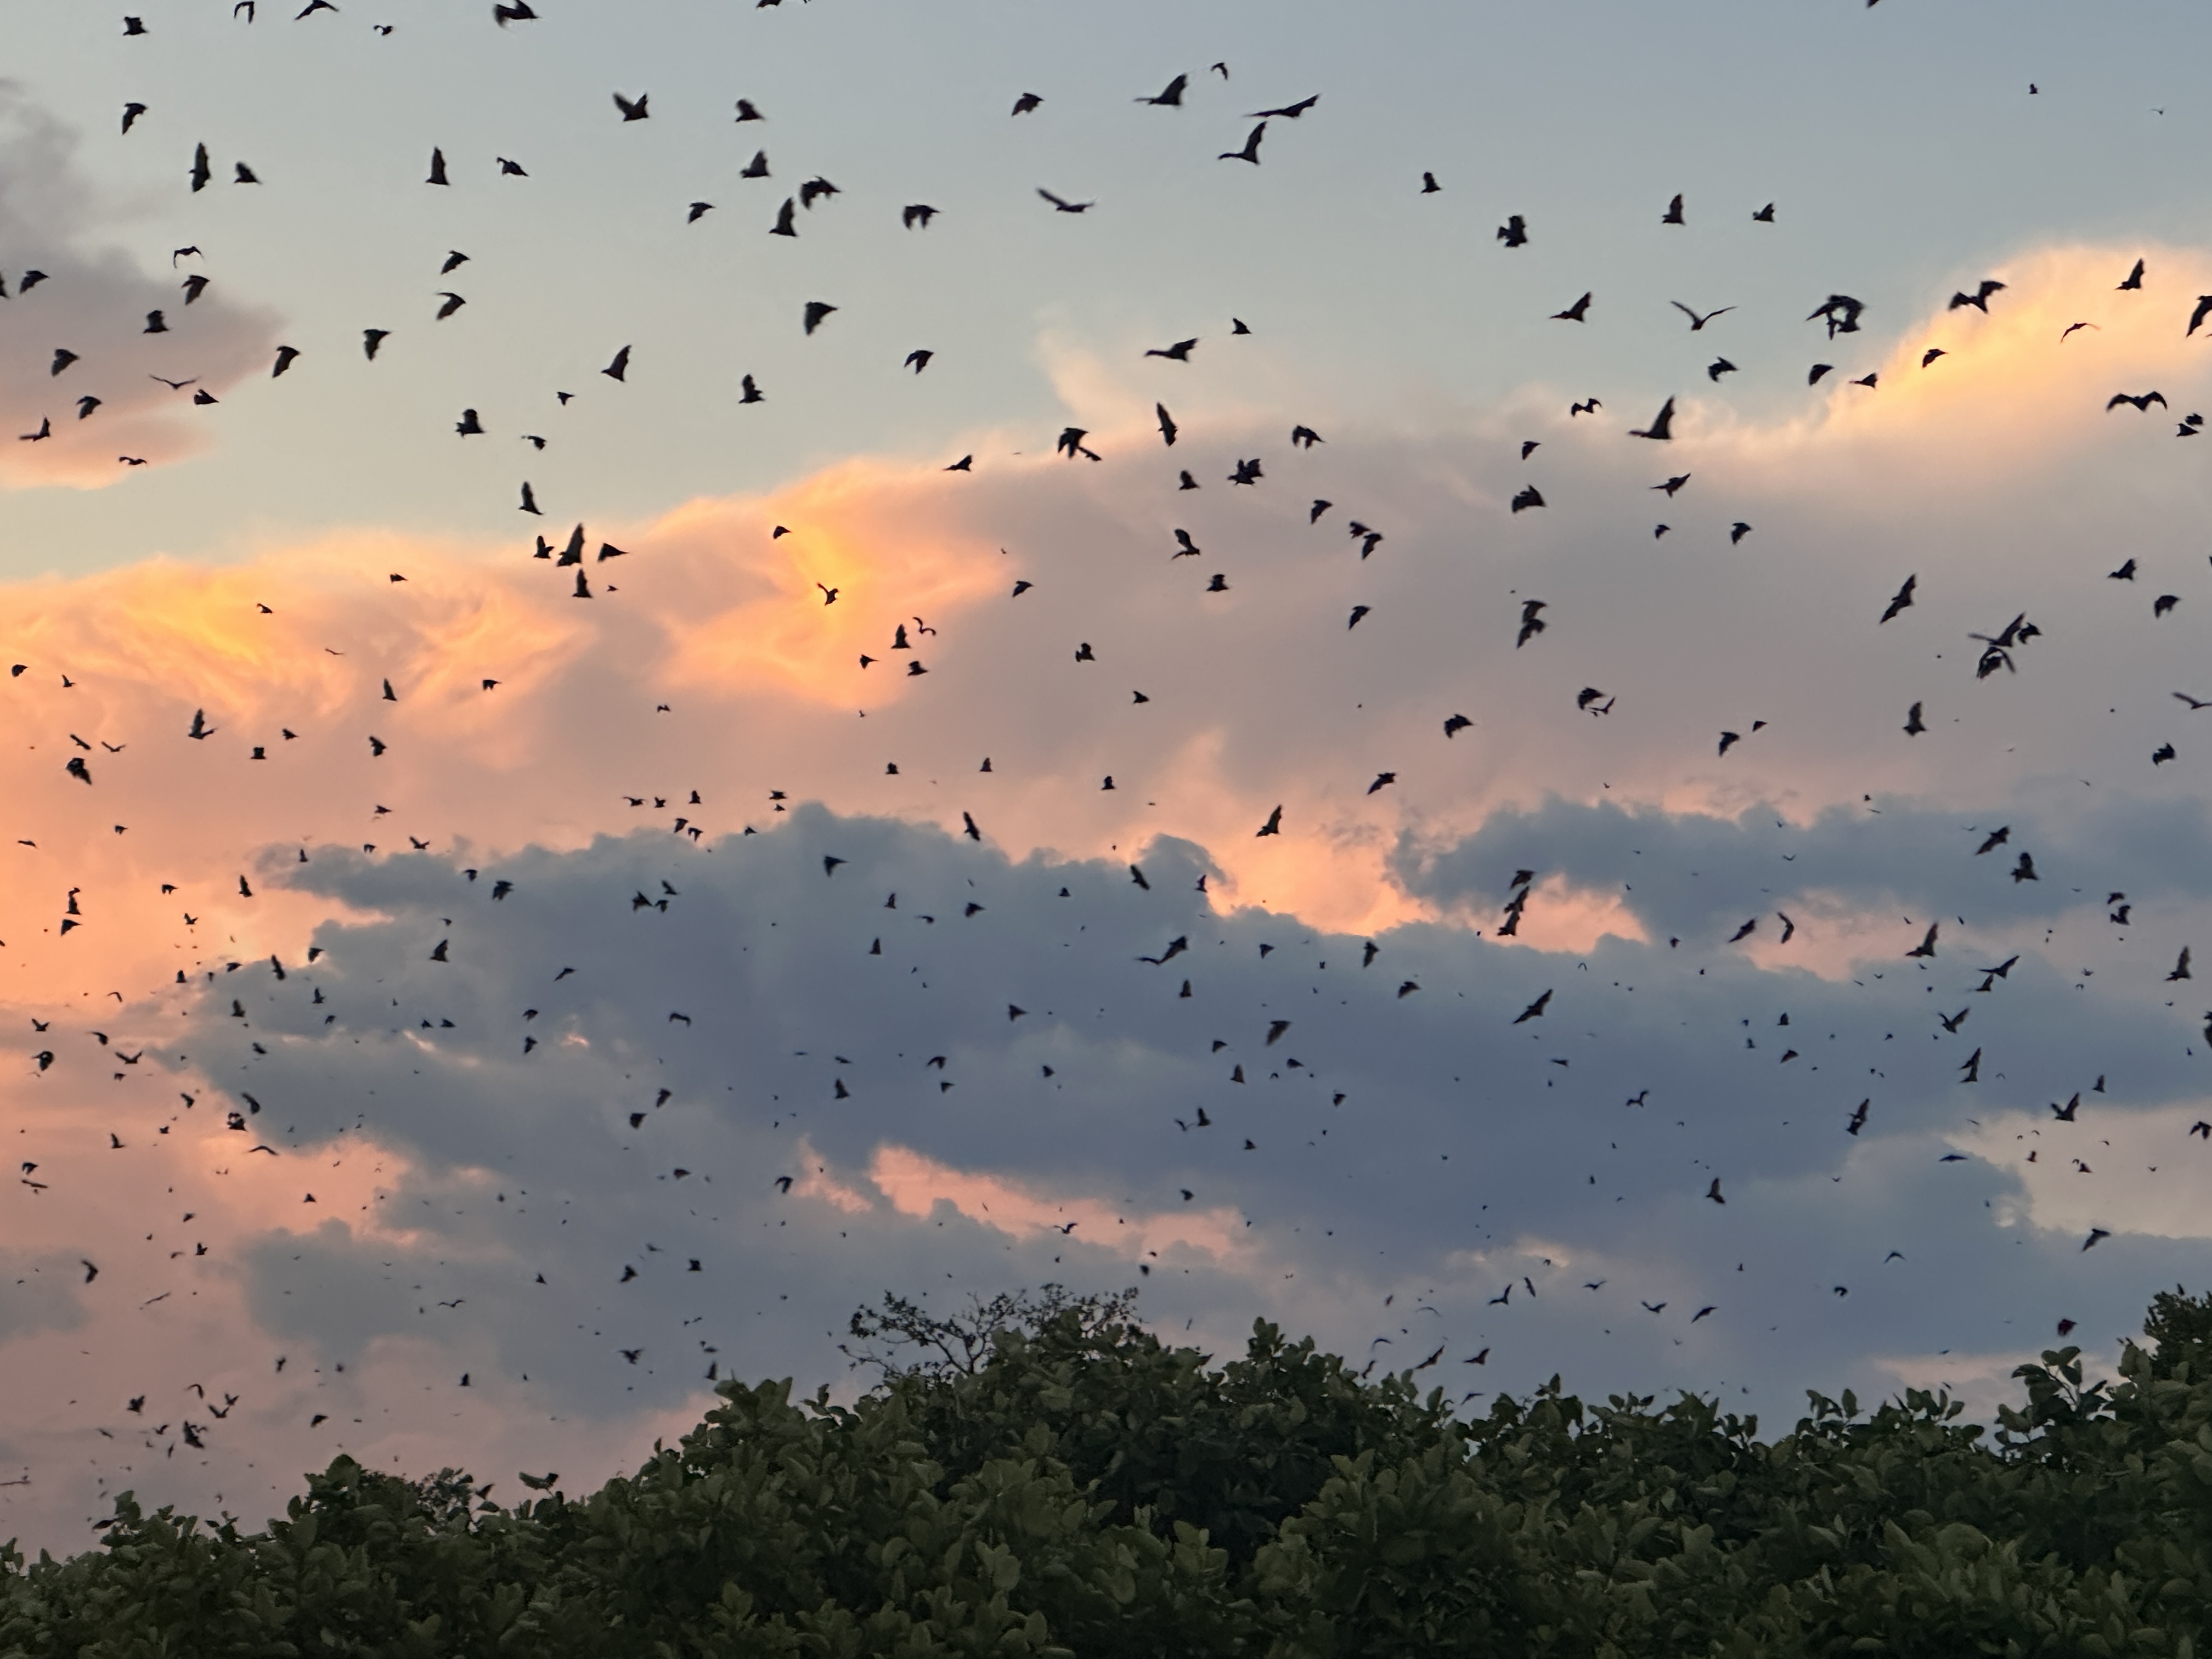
{"x": 2017, "y": 384}
{"x": 1256, "y": 696}
{"x": 1404, "y": 1135}
{"x": 870, "y": 531}
{"x": 1700, "y": 877}
{"x": 94, "y": 301}
{"x": 916, "y": 1185}
{"x": 794, "y": 1017}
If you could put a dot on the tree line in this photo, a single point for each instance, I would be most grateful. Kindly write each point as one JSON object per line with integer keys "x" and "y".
{"x": 1041, "y": 1475}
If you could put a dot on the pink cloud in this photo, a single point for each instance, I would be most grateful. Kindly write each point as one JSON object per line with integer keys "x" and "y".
{"x": 916, "y": 1185}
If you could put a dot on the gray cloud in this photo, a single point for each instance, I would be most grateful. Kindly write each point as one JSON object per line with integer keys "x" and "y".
{"x": 37, "y": 1294}
{"x": 1694, "y": 875}
{"x": 94, "y": 301}
{"x": 1493, "y": 1156}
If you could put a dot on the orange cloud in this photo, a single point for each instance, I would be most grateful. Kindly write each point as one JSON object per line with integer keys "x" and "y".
{"x": 886, "y": 541}
{"x": 723, "y": 627}
{"x": 2014, "y": 385}
{"x": 1558, "y": 916}
{"x": 916, "y": 1185}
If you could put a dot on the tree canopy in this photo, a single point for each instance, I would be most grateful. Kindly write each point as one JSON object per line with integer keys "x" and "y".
{"x": 1044, "y": 1476}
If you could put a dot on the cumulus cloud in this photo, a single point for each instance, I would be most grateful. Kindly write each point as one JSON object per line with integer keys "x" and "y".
{"x": 472, "y": 1089}
{"x": 1700, "y": 877}
{"x": 1256, "y": 696}
{"x": 95, "y": 303}
{"x": 1485, "y": 1169}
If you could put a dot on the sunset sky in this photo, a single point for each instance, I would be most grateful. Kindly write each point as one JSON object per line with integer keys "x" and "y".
{"x": 409, "y": 1055}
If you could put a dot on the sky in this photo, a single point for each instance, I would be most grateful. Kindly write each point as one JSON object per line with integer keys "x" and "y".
{"x": 1710, "y": 912}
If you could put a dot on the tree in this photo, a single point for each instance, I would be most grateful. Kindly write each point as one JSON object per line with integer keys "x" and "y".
{"x": 962, "y": 1342}
{"x": 1038, "y": 1474}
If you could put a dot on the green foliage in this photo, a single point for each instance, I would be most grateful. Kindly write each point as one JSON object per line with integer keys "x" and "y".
{"x": 1041, "y": 1476}
{"x": 964, "y": 1342}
